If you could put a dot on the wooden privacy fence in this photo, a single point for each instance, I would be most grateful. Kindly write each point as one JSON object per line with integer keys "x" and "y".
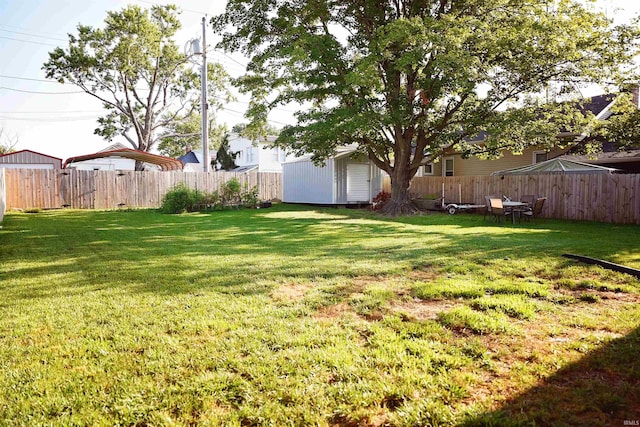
{"x": 3, "y": 195}
{"x": 607, "y": 198}
{"x": 78, "y": 189}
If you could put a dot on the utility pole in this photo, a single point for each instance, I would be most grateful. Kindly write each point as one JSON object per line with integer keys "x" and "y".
{"x": 204, "y": 106}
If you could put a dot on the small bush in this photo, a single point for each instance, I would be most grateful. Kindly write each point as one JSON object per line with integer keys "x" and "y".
{"x": 379, "y": 201}
{"x": 183, "y": 199}
{"x": 179, "y": 199}
{"x": 249, "y": 197}
{"x": 230, "y": 194}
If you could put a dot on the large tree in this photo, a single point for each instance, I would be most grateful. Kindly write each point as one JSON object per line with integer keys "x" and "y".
{"x": 405, "y": 78}
{"x": 135, "y": 68}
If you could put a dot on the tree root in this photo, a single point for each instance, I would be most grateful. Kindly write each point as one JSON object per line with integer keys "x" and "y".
{"x": 394, "y": 209}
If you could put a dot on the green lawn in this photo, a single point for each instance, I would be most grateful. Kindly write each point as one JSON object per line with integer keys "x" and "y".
{"x": 301, "y": 316}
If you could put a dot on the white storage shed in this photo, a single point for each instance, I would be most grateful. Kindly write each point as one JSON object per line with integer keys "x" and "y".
{"x": 344, "y": 179}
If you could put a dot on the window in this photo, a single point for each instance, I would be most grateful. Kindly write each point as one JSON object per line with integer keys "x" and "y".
{"x": 427, "y": 169}
{"x": 447, "y": 170}
{"x": 540, "y": 156}
{"x": 250, "y": 155}
{"x": 275, "y": 154}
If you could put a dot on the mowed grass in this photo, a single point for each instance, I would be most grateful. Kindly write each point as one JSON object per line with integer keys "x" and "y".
{"x": 303, "y": 316}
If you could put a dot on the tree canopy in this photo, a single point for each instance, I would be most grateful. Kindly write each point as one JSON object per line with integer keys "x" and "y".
{"x": 405, "y": 78}
{"x": 134, "y": 67}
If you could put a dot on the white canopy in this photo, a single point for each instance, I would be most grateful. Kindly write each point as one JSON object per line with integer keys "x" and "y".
{"x": 557, "y": 166}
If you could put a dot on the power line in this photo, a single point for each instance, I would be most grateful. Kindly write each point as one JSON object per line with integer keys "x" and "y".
{"x": 33, "y": 80}
{"x": 33, "y": 35}
{"x": 41, "y": 93}
{"x": 52, "y": 112}
{"x": 28, "y": 41}
{"x": 49, "y": 119}
{"x": 230, "y": 57}
{"x": 269, "y": 120}
{"x": 186, "y": 10}
{"x": 31, "y": 29}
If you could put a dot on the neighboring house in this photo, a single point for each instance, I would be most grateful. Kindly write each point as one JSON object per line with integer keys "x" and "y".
{"x": 27, "y": 159}
{"x": 192, "y": 160}
{"x": 251, "y": 155}
{"x": 118, "y": 157}
{"x": 453, "y": 164}
{"x": 344, "y": 179}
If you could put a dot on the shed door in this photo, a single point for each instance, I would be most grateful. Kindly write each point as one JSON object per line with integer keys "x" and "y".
{"x": 358, "y": 182}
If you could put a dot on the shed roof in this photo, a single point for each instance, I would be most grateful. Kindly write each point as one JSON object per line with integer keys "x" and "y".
{"x": 165, "y": 163}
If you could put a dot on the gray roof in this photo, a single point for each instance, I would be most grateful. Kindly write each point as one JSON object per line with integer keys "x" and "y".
{"x": 557, "y": 166}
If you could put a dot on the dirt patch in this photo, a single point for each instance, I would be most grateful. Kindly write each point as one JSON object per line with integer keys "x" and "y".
{"x": 423, "y": 309}
{"x": 423, "y": 273}
{"x": 291, "y": 292}
{"x": 332, "y": 312}
{"x": 360, "y": 283}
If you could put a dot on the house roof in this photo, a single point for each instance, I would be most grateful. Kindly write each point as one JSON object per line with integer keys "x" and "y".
{"x": 189, "y": 157}
{"x": 247, "y": 168}
{"x": 340, "y": 152}
{"x": 116, "y": 146}
{"x": 597, "y": 104}
{"x": 626, "y": 156}
{"x": 13, "y": 153}
{"x": 165, "y": 163}
{"x": 557, "y": 166}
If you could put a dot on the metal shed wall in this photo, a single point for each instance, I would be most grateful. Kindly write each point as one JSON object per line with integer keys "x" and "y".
{"x": 30, "y": 159}
{"x": 304, "y": 182}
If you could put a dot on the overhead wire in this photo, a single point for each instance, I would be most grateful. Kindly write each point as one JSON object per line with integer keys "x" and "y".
{"x": 32, "y": 35}
{"x": 32, "y": 79}
{"x": 40, "y": 92}
{"x": 28, "y": 41}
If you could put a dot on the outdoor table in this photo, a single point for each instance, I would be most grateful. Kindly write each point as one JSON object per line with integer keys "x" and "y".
{"x": 514, "y": 208}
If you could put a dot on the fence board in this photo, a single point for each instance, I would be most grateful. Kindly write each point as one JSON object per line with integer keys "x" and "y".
{"x": 606, "y": 198}
{"x": 41, "y": 188}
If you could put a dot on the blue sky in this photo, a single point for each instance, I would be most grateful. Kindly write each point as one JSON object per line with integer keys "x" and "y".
{"x": 47, "y": 117}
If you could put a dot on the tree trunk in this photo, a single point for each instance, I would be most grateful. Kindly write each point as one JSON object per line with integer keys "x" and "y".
{"x": 399, "y": 203}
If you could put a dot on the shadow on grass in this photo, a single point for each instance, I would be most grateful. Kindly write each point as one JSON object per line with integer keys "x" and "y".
{"x": 601, "y": 389}
{"x": 238, "y": 251}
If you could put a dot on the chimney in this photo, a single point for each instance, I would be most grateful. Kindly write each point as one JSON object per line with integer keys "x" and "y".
{"x": 188, "y": 149}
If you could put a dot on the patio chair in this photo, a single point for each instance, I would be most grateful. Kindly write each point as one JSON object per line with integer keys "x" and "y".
{"x": 536, "y": 210}
{"x": 497, "y": 209}
{"x": 487, "y": 202}
{"x": 528, "y": 199}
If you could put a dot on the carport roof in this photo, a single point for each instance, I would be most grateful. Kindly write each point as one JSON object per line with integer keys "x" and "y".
{"x": 165, "y": 163}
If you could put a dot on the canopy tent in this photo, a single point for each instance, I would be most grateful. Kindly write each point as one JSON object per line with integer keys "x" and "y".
{"x": 557, "y": 166}
{"x": 165, "y": 163}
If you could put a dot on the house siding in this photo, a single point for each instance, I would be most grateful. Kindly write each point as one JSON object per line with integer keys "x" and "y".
{"x": 474, "y": 166}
